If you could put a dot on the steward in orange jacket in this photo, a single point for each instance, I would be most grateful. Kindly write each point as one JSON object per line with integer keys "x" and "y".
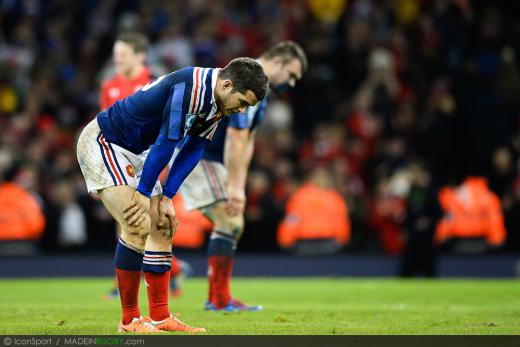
{"x": 314, "y": 212}
{"x": 472, "y": 210}
{"x": 20, "y": 215}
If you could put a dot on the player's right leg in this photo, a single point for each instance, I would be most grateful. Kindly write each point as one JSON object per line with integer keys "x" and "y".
{"x": 101, "y": 163}
{"x": 204, "y": 188}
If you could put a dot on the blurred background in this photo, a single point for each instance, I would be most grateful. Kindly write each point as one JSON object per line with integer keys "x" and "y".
{"x": 402, "y": 139}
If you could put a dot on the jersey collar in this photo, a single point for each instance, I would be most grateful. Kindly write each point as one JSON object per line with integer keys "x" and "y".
{"x": 214, "y": 76}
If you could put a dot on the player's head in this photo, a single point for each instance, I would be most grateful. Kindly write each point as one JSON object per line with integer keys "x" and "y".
{"x": 129, "y": 52}
{"x": 240, "y": 84}
{"x": 284, "y": 64}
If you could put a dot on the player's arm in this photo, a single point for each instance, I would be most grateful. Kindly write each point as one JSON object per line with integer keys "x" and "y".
{"x": 160, "y": 153}
{"x": 237, "y": 163}
{"x": 246, "y": 161}
{"x": 159, "y": 156}
{"x": 249, "y": 152}
{"x": 248, "y": 155}
{"x": 189, "y": 155}
{"x": 162, "y": 150}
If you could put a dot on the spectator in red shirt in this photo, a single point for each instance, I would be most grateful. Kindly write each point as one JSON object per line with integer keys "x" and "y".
{"x": 131, "y": 73}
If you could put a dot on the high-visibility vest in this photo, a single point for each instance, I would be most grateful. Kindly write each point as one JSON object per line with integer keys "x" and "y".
{"x": 21, "y": 217}
{"x": 472, "y": 210}
{"x": 314, "y": 213}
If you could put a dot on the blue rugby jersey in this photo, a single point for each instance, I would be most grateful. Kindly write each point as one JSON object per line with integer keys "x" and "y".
{"x": 174, "y": 106}
{"x": 249, "y": 120}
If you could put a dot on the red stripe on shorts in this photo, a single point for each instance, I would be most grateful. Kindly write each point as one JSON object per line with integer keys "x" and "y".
{"x": 107, "y": 151}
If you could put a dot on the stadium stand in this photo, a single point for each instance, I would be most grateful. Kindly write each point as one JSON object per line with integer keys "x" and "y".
{"x": 436, "y": 81}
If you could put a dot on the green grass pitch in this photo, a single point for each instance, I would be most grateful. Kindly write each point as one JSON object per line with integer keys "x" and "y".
{"x": 291, "y": 306}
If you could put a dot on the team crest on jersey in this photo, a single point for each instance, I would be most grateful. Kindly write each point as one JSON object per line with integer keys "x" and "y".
{"x": 130, "y": 170}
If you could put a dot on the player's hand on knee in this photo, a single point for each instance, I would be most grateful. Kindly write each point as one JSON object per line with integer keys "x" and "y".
{"x": 166, "y": 210}
{"x": 236, "y": 201}
{"x": 137, "y": 210}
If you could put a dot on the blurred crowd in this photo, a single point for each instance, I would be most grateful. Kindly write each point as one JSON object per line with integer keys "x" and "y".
{"x": 401, "y": 98}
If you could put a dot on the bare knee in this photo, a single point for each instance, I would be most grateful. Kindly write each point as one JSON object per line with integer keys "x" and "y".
{"x": 167, "y": 230}
{"x": 232, "y": 226}
{"x": 224, "y": 223}
{"x": 136, "y": 235}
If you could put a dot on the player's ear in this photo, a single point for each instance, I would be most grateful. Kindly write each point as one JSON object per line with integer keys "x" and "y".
{"x": 227, "y": 85}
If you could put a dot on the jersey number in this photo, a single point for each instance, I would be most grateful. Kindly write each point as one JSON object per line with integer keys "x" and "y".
{"x": 153, "y": 83}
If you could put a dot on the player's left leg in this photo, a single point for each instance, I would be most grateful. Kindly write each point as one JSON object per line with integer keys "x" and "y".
{"x": 156, "y": 268}
{"x": 221, "y": 254}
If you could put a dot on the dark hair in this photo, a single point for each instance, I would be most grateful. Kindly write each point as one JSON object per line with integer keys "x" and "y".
{"x": 138, "y": 41}
{"x": 287, "y": 50}
{"x": 246, "y": 74}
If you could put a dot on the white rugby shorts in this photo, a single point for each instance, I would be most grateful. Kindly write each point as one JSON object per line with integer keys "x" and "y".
{"x": 205, "y": 185}
{"x": 106, "y": 164}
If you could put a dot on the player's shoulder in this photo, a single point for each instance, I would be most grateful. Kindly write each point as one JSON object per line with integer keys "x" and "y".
{"x": 183, "y": 75}
{"x": 260, "y": 107}
{"x": 192, "y": 77}
{"x": 186, "y": 73}
{"x": 263, "y": 103}
{"x": 257, "y": 109}
{"x": 194, "y": 73}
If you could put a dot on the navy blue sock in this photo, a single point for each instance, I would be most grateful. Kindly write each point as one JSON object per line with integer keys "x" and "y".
{"x": 157, "y": 262}
{"x": 221, "y": 244}
{"x": 128, "y": 257}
